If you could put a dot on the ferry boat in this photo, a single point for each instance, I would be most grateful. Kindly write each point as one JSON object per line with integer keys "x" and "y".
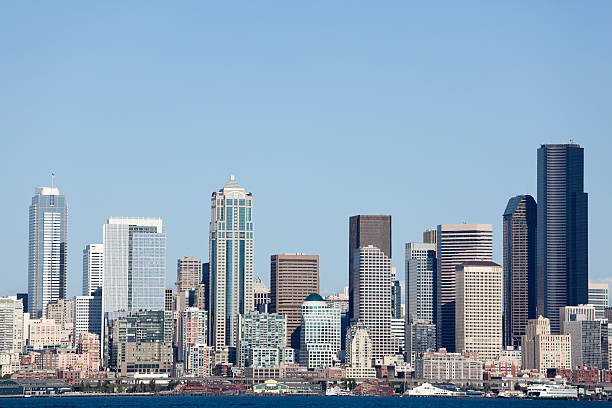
{"x": 552, "y": 391}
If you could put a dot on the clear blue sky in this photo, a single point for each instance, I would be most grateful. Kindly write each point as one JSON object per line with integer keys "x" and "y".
{"x": 431, "y": 112}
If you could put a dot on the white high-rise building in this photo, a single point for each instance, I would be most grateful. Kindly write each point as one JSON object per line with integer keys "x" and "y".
{"x": 11, "y": 325}
{"x": 48, "y": 249}
{"x": 373, "y": 285}
{"x": 599, "y": 297}
{"x": 87, "y": 315}
{"x": 194, "y": 330}
{"x": 478, "y": 309}
{"x": 231, "y": 262}
{"x": 320, "y": 333}
{"x": 93, "y": 268}
{"x": 134, "y": 264}
{"x": 541, "y": 350}
{"x": 420, "y": 268}
{"x": 359, "y": 352}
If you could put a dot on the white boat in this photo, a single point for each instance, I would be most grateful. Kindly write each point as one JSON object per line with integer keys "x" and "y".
{"x": 337, "y": 391}
{"x": 552, "y": 391}
{"x": 435, "y": 390}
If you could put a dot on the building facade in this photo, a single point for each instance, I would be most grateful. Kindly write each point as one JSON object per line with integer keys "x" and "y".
{"x": 134, "y": 264}
{"x": 261, "y": 330}
{"x": 11, "y": 325}
{"x": 231, "y": 262}
{"x": 320, "y": 333}
{"x": 292, "y": 278}
{"x": 599, "y": 297}
{"x": 373, "y": 304}
{"x": 542, "y": 350}
{"x": 456, "y": 243}
{"x": 261, "y": 296}
{"x": 188, "y": 273}
{"x": 478, "y": 310}
{"x": 193, "y": 330}
{"x": 520, "y": 227}
{"x": 93, "y": 268}
{"x": 562, "y": 234}
{"x": 48, "y": 249}
{"x": 443, "y": 366}
{"x": 420, "y": 272}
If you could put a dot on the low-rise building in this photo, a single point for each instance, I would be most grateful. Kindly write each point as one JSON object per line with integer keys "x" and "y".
{"x": 446, "y": 366}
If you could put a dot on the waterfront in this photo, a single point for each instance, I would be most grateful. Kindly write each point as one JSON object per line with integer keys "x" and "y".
{"x": 277, "y": 402}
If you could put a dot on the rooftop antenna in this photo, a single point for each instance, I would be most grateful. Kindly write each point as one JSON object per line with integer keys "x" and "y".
{"x": 572, "y": 141}
{"x": 52, "y": 178}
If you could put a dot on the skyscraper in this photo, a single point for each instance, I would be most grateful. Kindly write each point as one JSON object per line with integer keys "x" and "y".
{"x": 420, "y": 271}
{"x": 48, "y": 250}
{"x": 365, "y": 230}
{"x": 372, "y": 305}
{"x": 292, "y": 278}
{"x": 188, "y": 273}
{"x": 562, "y": 232}
{"x": 478, "y": 311}
{"x": 456, "y": 244}
{"x": 93, "y": 268}
{"x": 429, "y": 236}
{"x": 134, "y": 264}
{"x": 231, "y": 262}
{"x": 520, "y": 225}
{"x": 320, "y": 334}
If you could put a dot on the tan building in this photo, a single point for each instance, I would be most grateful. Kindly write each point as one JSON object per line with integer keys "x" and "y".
{"x": 478, "y": 309}
{"x": 188, "y": 273}
{"x": 293, "y": 277}
{"x": 456, "y": 244}
{"x": 542, "y": 350}
{"x": 144, "y": 358}
{"x": 43, "y": 332}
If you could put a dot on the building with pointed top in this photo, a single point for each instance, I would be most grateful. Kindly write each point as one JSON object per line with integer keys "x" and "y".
{"x": 231, "y": 262}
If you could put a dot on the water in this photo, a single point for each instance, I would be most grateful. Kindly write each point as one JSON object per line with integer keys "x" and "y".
{"x": 281, "y": 402}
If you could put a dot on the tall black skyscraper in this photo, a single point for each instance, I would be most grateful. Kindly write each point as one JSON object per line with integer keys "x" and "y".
{"x": 520, "y": 225}
{"x": 562, "y": 241}
{"x": 366, "y": 230}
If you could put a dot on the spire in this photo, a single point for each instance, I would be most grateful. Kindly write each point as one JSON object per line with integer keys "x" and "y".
{"x": 232, "y": 184}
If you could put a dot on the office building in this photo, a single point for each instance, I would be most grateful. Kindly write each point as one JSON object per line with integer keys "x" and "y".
{"x": 396, "y": 299}
{"x": 430, "y": 236}
{"x": 48, "y": 249}
{"x": 582, "y": 312}
{"x": 373, "y": 304}
{"x": 320, "y": 333}
{"x": 43, "y": 333}
{"x": 11, "y": 325}
{"x": 420, "y": 271}
{"x": 168, "y": 300}
{"x": 24, "y": 299}
{"x": 188, "y": 273}
{"x": 420, "y": 338}
{"x": 292, "y": 278}
{"x": 562, "y": 235}
{"x": 200, "y": 360}
{"x": 599, "y": 297}
{"x": 261, "y": 296}
{"x": 134, "y": 264}
{"x": 62, "y": 311}
{"x": 520, "y": 227}
{"x": 261, "y": 330}
{"x": 93, "y": 268}
{"x": 456, "y": 244}
{"x": 478, "y": 309}
{"x": 365, "y": 230}
{"x": 542, "y": 350}
{"x": 88, "y": 315}
{"x": 585, "y": 338}
{"x": 231, "y": 262}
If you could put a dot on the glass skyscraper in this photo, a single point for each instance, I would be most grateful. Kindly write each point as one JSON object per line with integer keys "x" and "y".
{"x": 134, "y": 264}
{"x": 562, "y": 231}
{"x": 231, "y": 261}
{"x": 48, "y": 249}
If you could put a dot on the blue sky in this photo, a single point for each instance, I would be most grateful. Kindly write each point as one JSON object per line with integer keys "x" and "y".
{"x": 431, "y": 112}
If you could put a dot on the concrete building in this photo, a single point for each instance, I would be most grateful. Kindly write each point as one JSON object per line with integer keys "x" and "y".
{"x": 292, "y": 278}
{"x": 421, "y": 338}
{"x": 264, "y": 331}
{"x": 365, "y": 230}
{"x": 372, "y": 305}
{"x": 478, "y": 310}
{"x": 48, "y": 249}
{"x": 562, "y": 235}
{"x": 542, "y": 350}
{"x": 88, "y": 315}
{"x": 188, "y": 273}
{"x": 456, "y": 244}
{"x": 11, "y": 325}
{"x": 168, "y": 300}
{"x": 585, "y": 338}
{"x": 581, "y": 312}
{"x": 320, "y": 333}
{"x": 231, "y": 262}
{"x": 430, "y": 236}
{"x": 200, "y": 360}
{"x": 599, "y": 297}
{"x": 43, "y": 333}
{"x": 520, "y": 227}
{"x": 62, "y": 311}
{"x": 444, "y": 366}
{"x": 420, "y": 271}
{"x": 134, "y": 264}
{"x": 93, "y": 268}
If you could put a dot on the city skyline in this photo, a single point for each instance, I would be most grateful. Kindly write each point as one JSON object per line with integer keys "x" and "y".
{"x": 408, "y": 88}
